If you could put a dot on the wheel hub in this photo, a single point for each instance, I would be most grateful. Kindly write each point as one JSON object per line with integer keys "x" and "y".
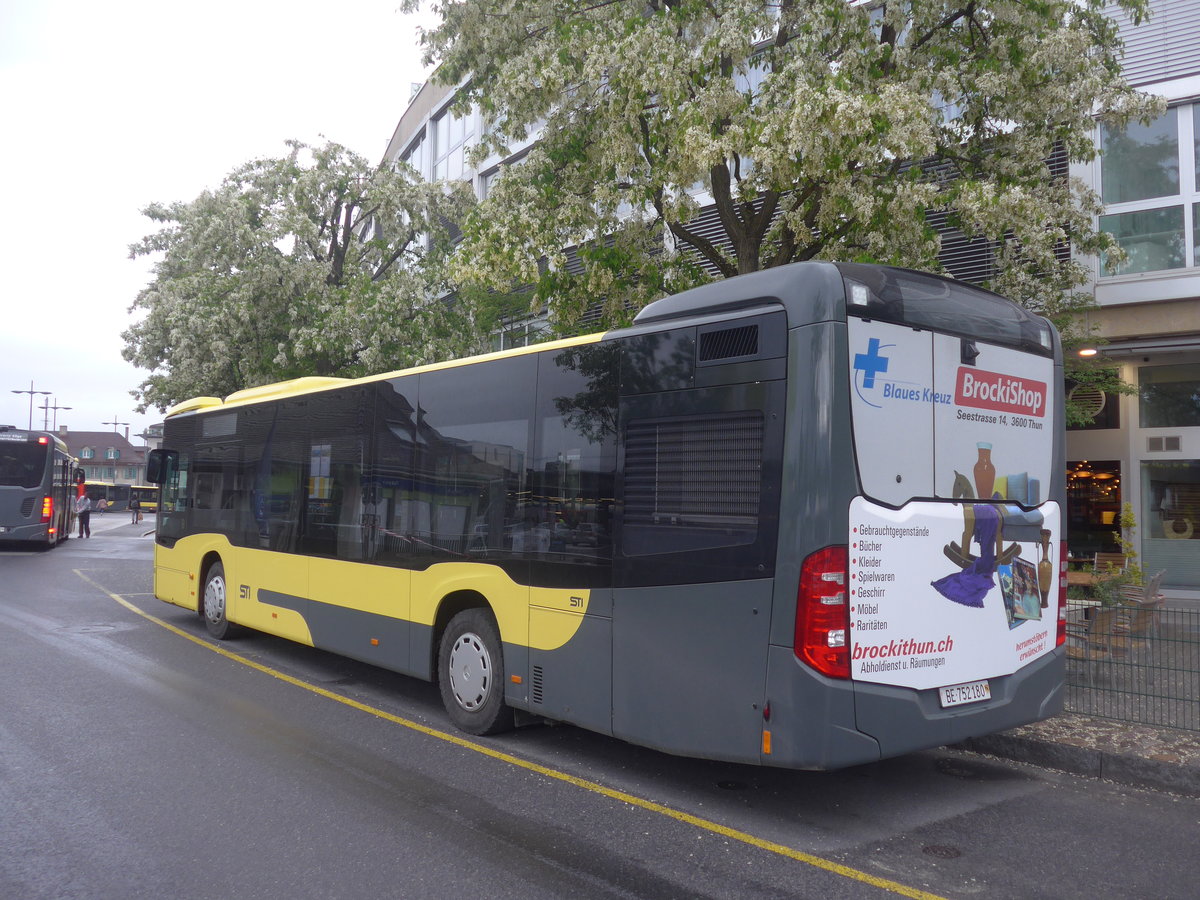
{"x": 470, "y": 672}
{"x": 214, "y": 600}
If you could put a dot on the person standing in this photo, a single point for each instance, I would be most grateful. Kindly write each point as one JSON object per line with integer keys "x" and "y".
{"x": 135, "y": 511}
{"x": 83, "y": 511}
{"x": 102, "y": 506}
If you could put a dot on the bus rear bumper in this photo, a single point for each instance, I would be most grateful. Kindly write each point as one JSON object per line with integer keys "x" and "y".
{"x": 821, "y": 723}
{"x": 25, "y": 534}
{"x": 903, "y": 720}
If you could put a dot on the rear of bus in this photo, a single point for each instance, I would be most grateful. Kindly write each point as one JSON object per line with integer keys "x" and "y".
{"x": 30, "y": 510}
{"x": 929, "y": 600}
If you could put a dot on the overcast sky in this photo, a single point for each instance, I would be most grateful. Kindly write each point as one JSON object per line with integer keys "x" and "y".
{"x": 107, "y": 107}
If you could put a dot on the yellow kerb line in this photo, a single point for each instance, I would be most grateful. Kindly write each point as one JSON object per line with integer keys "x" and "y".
{"x": 620, "y": 796}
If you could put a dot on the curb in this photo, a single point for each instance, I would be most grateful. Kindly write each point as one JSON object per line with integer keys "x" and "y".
{"x": 1090, "y": 762}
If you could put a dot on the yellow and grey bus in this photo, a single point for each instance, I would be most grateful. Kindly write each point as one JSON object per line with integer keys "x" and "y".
{"x": 808, "y": 517}
{"x": 146, "y": 496}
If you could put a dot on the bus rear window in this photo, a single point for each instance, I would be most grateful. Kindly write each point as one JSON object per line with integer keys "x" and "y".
{"x": 943, "y": 305}
{"x": 22, "y": 465}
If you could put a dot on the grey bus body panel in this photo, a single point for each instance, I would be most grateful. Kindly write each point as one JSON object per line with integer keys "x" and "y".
{"x": 382, "y": 641}
{"x": 689, "y": 666}
{"x": 817, "y": 430}
{"x": 572, "y": 683}
{"x": 809, "y": 292}
{"x": 812, "y": 718}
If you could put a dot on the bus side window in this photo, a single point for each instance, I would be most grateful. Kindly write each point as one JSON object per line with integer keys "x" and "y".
{"x": 473, "y": 467}
{"x": 335, "y": 455}
{"x": 575, "y": 458}
{"x": 391, "y": 509}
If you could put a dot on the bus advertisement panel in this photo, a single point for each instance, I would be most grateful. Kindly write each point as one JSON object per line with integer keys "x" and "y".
{"x": 809, "y": 517}
{"x": 950, "y": 593}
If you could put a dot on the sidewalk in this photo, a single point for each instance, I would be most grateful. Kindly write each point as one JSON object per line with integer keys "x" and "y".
{"x": 1147, "y": 756}
{"x": 116, "y": 520}
{"x": 1163, "y": 759}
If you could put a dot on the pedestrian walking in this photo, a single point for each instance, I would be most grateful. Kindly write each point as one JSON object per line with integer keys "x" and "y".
{"x": 83, "y": 511}
{"x": 102, "y": 505}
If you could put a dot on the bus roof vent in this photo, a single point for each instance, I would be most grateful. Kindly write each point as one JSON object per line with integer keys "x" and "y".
{"x": 729, "y": 343}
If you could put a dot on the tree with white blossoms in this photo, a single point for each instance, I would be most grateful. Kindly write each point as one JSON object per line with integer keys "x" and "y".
{"x": 314, "y": 263}
{"x": 820, "y": 129}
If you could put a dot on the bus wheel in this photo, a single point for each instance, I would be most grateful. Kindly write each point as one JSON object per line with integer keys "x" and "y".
{"x": 471, "y": 674}
{"x": 214, "y": 603}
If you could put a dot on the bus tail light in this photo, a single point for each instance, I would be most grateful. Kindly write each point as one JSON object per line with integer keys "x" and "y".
{"x": 823, "y": 613}
{"x": 47, "y": 509}
{"x": 1061, "y": 637}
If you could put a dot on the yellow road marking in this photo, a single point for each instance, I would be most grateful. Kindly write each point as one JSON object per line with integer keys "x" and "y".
{"x": 620, "y": 796}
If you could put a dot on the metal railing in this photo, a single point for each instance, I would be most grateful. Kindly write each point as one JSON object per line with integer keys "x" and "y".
{"x": 1135, "y": 667}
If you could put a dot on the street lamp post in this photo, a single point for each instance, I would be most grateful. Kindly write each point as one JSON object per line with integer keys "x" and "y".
{"x": 54, "y": 406}
{"x": 31, "y": 392}
{"x": 114, "y": 424}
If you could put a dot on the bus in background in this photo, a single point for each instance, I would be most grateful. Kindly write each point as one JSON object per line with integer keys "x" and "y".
{"x": 115, "y": 495}
{"x": 37, "y": 490}
{"x": 808, "y": 518}
{"x": 145, "y": 495}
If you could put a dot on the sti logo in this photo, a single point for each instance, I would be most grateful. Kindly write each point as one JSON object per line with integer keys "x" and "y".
{"x": 867, "y": 366}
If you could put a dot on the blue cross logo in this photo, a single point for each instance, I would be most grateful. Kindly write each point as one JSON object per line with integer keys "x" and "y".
{"x": 870, "y": 363}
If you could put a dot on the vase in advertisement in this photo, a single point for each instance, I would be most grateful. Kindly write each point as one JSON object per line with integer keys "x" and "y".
{"x": 1045, "y": 570}
{"x": 985, "y": 472}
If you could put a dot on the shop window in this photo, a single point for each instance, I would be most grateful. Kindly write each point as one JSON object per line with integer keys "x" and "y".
{"x": 1170, "y": 521}
{"x": 1172, "y": 494}
{"x": 1093, "y": 506}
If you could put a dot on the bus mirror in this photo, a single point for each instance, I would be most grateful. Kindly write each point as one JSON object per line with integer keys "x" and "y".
{"x": 157, "y": 465}
{"x": 80, "y": 476}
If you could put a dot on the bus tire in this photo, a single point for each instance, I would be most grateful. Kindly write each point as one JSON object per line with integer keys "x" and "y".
{"x": 213, "y": 603}
{"x": 471, "y": 674}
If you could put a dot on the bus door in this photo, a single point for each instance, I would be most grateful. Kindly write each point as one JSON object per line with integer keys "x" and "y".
{"x": 951, "y": 582}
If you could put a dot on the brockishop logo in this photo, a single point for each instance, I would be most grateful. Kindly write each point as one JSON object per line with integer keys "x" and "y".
{"x": 1001, "y": 393}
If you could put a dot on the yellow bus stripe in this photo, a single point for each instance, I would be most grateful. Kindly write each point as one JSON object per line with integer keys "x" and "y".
{"x": 613, "y": 794}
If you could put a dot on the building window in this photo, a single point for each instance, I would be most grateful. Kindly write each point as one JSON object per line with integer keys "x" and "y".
{"x": 87, "y": 453}
{"x": 131, "y": 472}
{"x": 1152, "y": 239}
{"x": 1148, "y": 181}
{"x": 415, "y": 157}
{"x": 1169, "y": 396}
{"x": 1141, "y": 162}
{"x": 485, "y": 183}
{"x": 112, "y": 453}
{"x": 451, "y": 136}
